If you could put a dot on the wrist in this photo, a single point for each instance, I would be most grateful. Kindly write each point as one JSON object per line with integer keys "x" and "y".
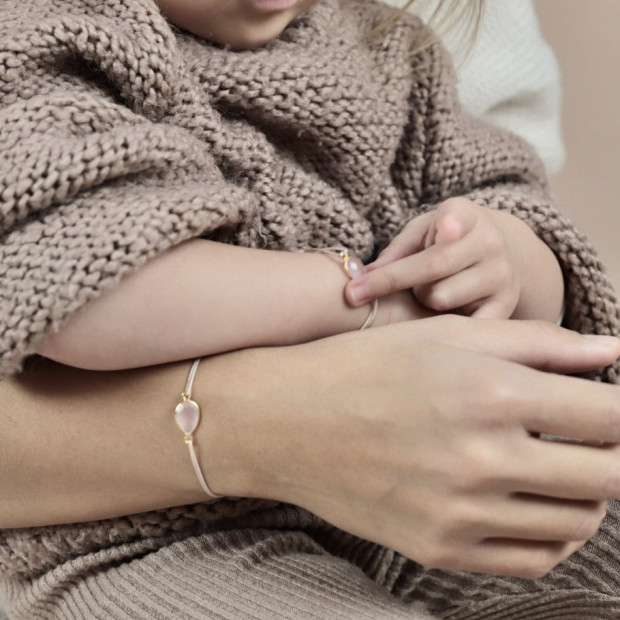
{"x": 541, "y": 283}
{"x": 236, "y": 436}
{"x": 322, "y": 308}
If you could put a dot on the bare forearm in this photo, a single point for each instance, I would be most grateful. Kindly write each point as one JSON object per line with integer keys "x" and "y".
{"x": 203, "y": 298}
{"x": 79, "y": 445}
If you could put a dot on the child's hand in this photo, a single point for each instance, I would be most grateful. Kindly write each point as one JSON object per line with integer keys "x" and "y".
{"x": 462, "y": 257}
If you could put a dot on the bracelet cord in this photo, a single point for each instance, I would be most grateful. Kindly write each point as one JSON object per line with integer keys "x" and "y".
{"x": 352, "y": 267}
{"x": 187, "y": 417}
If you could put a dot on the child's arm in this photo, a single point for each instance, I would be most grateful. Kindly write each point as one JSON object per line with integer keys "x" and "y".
{"x": 203, "y": 297}
{"x": 487, "y": 263}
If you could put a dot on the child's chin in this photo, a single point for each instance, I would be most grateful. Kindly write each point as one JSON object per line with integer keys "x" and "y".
{"x": 246, "y": 37}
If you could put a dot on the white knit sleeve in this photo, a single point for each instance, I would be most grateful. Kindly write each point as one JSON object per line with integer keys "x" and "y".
{"x": 510, "y": 77}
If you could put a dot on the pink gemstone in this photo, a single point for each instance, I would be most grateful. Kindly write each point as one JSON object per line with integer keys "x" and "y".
{"x": 187, "y": 414}
{"x": 355, "y": 267}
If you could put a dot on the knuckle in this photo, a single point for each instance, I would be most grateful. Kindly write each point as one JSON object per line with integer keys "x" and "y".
{"x": 498, "y": 403}
{"x": 479, "y": 468}
{"x": 504, "y": 271}
{"x": 494, "y": 241}
{"x": 589, "y": 525}
{"x": 435, "y": 297}
{"x": 462, "y": 521}
{"x": 543, "y": 560}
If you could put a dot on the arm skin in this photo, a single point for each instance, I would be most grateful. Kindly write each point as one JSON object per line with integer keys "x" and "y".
{"x": 421, "y": 437}
{"x": 203, "y": 297}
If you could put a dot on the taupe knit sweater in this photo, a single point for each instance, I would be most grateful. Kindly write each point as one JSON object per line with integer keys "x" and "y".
{"x": 120, "y": 138}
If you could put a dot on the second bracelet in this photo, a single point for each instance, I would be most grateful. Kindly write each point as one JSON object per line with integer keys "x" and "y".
{"x": 353, "y": 267}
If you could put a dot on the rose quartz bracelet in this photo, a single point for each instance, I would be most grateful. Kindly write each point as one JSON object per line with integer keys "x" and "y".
{"x": 187, "y": 416}
{"x": 353, "y": 267}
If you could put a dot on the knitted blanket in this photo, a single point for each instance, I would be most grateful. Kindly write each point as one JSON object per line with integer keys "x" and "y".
{"x": 121, "y": 137}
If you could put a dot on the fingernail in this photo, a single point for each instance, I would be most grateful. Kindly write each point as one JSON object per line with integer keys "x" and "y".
{"x": 604, "y": 342}
{"x": 358, "y": 292}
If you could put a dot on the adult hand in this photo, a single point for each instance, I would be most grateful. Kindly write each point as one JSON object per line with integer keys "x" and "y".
{"x": 422, "y": 436}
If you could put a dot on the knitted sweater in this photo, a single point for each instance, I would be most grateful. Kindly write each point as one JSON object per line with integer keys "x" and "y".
{"x": 509, "y": 76}
{"x": 120, "y": 137}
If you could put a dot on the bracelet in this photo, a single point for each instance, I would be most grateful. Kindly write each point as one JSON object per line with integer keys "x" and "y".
{"x": 187, "y": 416}
{"x": 353, "y": 267}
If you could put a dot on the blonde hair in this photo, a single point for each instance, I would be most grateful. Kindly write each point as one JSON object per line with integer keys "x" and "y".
{"x": 447, "y": 15}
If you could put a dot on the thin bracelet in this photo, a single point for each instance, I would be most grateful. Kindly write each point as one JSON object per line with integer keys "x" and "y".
{"x": 353, "y": 267}
{"x": 187, "y": 416}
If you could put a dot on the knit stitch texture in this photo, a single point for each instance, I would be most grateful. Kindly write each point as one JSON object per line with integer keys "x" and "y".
{"x": 121, "y": 137}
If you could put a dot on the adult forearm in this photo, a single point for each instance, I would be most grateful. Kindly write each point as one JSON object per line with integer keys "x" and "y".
{"x": 79, "y": 445}
{"x": 426, "y": 447}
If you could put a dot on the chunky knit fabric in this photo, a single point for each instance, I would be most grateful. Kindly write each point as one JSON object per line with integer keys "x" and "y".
{"x": 120, "y": 138}
{"x": 510, "y": 76}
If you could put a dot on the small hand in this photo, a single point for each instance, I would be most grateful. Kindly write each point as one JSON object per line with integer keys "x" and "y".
{"x": 461, "y": 257}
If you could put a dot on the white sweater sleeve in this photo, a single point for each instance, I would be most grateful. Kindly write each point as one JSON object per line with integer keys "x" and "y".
{"x": 510, "y": 77}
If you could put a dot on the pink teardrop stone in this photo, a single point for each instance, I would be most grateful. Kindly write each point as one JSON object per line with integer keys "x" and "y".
{"x": 187, "y": 415}
{"x": 355, "y": 267}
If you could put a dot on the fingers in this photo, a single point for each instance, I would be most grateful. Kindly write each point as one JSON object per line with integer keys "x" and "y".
{"x": 565, "y": 406}
{"x": 537, "y": 344}
{"x": 523, "y": 537}
{"x": 479, "y": 291}
{"x": 573, "y": 471}
{"x": 431, "y": 249}
{"x": 528, "y": 517}
{"x": 517, "y": 558}
{"x": 436, "y": 263}
{"x": 577, "y": 408}
{"x": 452, "y": 225}
{"x": 451, "y": 221}
{"x": 409, "y": 241}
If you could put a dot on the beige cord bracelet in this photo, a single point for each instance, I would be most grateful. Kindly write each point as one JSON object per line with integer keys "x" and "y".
{"x": 187, "y": 416}
{"x": 353, "y": 267}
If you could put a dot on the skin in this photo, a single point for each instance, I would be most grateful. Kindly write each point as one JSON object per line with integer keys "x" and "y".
{"x": 463, "y": 257}
{"x": 202, "y": 298}
{"x": 239, "y": 24}
{"x": 423, "y": 436}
